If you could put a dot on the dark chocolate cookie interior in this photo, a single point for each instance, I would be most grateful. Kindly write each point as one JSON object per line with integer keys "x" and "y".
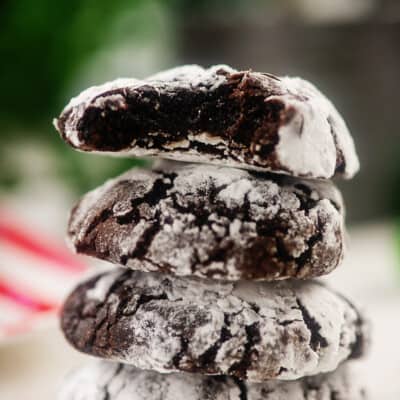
{"x": 237, "y": 111}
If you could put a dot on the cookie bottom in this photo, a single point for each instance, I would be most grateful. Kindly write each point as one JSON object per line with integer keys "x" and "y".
{"x": 114, "y": 381}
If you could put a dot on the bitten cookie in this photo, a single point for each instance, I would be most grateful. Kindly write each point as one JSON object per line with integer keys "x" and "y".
{"x": 210, "y": 221}
{"x": 105, "y": 380}
{"x": 218, "y": 115}
{"x": 250, "y": 330}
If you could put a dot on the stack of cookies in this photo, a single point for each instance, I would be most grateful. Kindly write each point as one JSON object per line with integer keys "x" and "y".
{"x": 213, "y": 296}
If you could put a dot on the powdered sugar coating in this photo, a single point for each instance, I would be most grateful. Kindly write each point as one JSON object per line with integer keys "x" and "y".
{"x": 311, "y": 150}
{"x": 310, "y": 138}
{"x": 115, "y": 381}
{"x": 103, "y": 286}
{"x": 251, "y": 330}
{"x": 210, "y": 221}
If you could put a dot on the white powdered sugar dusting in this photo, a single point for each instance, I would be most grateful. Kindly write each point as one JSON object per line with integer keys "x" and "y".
{"x": 193, "y": 75}
{"x": 103, "y": 285}
{"x": 307, "y": 143}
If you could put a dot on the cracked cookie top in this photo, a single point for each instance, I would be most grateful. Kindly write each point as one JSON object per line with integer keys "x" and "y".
{"x": 105, "y": 380}
{"x": 218, "y": 115}
{"x": 211, "y": 221}
{"x": 250, "y": 330}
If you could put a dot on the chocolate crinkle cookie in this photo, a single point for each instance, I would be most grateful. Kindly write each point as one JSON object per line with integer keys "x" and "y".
{"x": 210, "y": 221}
{"x": 253, "y": 331}
{"x": 105, "y": 380}
{"x": 218, "y": 115}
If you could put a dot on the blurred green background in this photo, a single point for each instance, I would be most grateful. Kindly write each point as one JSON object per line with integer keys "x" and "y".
{"x": 51, "y": 50}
